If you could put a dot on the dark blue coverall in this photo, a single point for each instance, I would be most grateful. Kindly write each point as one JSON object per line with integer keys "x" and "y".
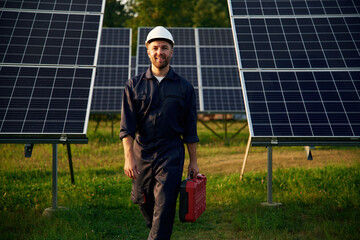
{"x": 164, "y": 117}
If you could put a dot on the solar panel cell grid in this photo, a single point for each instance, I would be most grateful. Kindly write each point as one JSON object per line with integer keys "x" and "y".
{"x": 217, "y": 56}
{"x": 30, "y": 43}
{"x": 220, "y": 77}
{"x": 111, "y": 76}
{"x": 114, "y": 56}
{"x": 112, "y": 71}
{"x": 294, "y": 7}
{"x": 115, "y": 37}
{"x": 49, "y": 99}
{"x": 107, "y": 99}
{"x": 226, "y": 99}
{"x": 298, "y": 43}
{"x": 321, "y": 100}
{"x": 60, "y": 5}
{"x": 215, "y": 37}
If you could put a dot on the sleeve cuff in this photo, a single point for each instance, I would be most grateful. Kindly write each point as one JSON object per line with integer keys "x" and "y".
{"x": 124, "y": 134}
{"x": 191, "y": 139}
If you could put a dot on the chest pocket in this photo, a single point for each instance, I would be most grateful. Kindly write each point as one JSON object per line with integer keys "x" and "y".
{"x": 142, "y": 102}
{"x": 173, "y": 102}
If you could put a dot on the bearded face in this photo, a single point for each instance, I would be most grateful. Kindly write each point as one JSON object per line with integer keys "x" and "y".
{"x": 160, "y": 53}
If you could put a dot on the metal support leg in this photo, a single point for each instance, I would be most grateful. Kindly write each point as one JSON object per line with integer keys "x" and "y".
{"x": 70, "y": 163}
{"x": 245, "y": 158}
{"x": 54, "y": 177}
{"x": 269, "y": 202}
{"x": 50, "y": 211}
{"x": 98, "y": 120}
{"x": 308, "y": 152}
{"x": 269, "y": 175}
{"x": 112, "y": 126}
{"x": 226, "y": 140}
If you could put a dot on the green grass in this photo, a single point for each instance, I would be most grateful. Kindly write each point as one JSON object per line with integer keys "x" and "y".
{"x": 317, "y": 203}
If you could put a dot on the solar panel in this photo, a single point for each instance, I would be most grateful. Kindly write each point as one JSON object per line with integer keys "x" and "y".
{"x": 304, "y": 103}
{"x": 316, "y": 42}
{"x": 300, "y": 72}
{"x": 48, "y": 38}
{"x": 293, "y": 7}
{"x": 64, "y": 5}
{"x": 219, "y": 73}
{"x": 48, "y": 53}
{"x": 113, "y": 70}
{"x": 206, "y": 58}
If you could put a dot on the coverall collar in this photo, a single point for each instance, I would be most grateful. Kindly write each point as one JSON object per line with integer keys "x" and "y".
{"x": 170, "y": 75}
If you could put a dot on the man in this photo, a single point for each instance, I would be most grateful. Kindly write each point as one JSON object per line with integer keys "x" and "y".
{"x": 160, "y": 107}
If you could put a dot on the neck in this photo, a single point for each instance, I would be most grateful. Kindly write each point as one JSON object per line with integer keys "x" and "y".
{"x": 160, "y": 72}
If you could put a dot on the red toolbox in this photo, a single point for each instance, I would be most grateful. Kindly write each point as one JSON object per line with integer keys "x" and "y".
{"x": 192, "y": 198}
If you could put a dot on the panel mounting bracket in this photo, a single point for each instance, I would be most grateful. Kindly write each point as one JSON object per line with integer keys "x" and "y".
{"x": 274, "y": 141}
{"x": 63, "y": 138}
{"x": 28, "y": 149}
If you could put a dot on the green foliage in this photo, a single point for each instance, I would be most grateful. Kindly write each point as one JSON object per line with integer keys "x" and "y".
{"x": 185, "y": 13}
{"x": 151, "y": 13}
{"x": 161, "y": 12}
{"x": 115, "y": 14}
{"x": 211, "y": 13}
{"x": 317, "y": 204}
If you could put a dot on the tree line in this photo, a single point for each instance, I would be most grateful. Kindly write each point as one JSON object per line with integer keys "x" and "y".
{"x": 150, "y": 13}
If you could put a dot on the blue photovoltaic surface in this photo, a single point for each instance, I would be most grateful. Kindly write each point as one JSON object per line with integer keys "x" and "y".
{"x": 48, "y": 55}
{"x": 326, "y": 42}
{"x": 311, "y": 103}
{"x": 113, "y": 70}
{"x": 294, "y": 7}
{"x": 43, "y": 100}
{"x": 48, "y": 38}
{"x": 59, "y": 5}
{"x": 300, "y": 71}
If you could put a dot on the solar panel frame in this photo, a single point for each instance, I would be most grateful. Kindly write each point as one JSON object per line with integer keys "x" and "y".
{"x": 113, "y": 70}
{"x": 293, "y": 7}
{"x": 70, "y": 103}
{"x": 50, "y": 5}
{"x": 288, "y": 116}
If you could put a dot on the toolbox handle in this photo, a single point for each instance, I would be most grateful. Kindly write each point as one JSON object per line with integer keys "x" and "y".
{"x": 192, "y": 176}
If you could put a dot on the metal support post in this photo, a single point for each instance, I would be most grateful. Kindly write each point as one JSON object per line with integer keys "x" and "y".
{"x": 54, "y": 177}
{"x": 269, "y": 202}
{"x": 48, "y": 212}
{"x": 269, "y": 175}
{"x": 70, "y": 163}
{"x": 226, "y": 139}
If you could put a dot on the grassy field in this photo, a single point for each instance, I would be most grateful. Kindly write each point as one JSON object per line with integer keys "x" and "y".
{"x": 320, "y": 198}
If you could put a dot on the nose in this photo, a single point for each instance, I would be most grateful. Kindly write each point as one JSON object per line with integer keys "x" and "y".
{"x": 159, "y": 51}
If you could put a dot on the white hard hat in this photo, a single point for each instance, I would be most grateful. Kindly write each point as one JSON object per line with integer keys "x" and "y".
{"x": 159, "y": 32}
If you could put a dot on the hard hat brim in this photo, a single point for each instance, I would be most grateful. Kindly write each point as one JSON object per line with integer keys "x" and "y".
{"x": 160, "y": 39}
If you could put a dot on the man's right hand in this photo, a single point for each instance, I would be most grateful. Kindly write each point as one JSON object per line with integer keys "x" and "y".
{"x": 130, "y": 166}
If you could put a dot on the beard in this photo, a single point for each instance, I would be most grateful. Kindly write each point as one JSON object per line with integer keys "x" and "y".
{"x": 162, "y": 64}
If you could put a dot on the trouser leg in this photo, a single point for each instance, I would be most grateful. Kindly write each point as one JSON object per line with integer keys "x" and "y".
{"x": 142, "y": 191}
{"x": 156, "y": 191}
{"x": 166, "y": 191}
